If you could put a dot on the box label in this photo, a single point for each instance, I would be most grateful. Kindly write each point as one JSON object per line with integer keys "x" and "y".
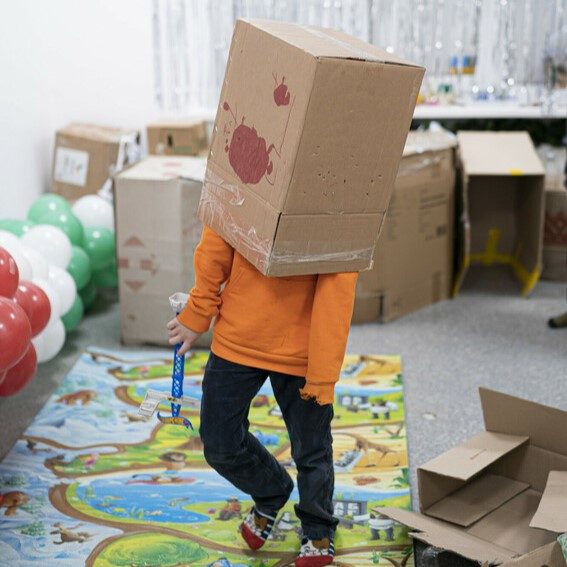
{"x": 71, "y": 166}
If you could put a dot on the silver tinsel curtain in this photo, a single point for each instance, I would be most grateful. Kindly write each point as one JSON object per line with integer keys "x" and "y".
{"x": 512, "y": 50}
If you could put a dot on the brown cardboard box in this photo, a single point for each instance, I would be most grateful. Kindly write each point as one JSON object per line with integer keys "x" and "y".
{"x": 501, "y": 497}
{"x": 86, "y": 156}
{"x": 308, "y": 136}
{"x": 555, "y": 231}
{"x": 555, "y": 235}
{"x": 157, "y": 230}
{"x": 178, "y": 138}
{"x": 500, "y": 205}
{"x": 414, "y": 255}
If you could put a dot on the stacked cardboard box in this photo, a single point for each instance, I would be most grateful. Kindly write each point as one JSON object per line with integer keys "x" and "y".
{"x": 413, "y": 264}
{"x": 157, "y": 230}
{"x": 555, "y": 233}
{"x": 500, "y": 205}
{"x": 86, "y": 156}
{"x": 500, "y": 498}
{"x": 308, "y": 137}
{"x": 178, "y": 138}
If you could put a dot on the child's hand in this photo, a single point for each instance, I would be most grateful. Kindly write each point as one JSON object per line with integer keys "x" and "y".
{"x": 179, "y": 333}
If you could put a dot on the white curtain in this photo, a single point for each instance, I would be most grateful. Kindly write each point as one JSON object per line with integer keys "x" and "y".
{"x": 494, "y": 48}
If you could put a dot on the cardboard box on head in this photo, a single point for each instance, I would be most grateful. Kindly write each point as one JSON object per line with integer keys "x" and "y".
{"x": 307, "y": 140}
{"x": 157, "y": 230}
{"x": 500, "y": 205}
{"x": 500, "y": 498}
{"x": 86, "y": 156}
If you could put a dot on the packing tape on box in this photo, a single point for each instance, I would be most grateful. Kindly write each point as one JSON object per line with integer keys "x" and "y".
{"x": 129, "y": 151}
{"x": 218, "y": 196}
{"x": 214, "y": 193}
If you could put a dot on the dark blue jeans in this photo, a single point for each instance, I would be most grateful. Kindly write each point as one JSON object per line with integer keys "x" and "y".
{"x": 238, "y": 456}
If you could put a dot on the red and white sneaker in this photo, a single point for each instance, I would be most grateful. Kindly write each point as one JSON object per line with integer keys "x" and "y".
{"x": 256, "y": 528}
{"x": 315, "y": 552}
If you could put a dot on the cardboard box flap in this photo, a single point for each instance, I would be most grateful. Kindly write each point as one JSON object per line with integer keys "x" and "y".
{"x": 551, "y": 514}
{"x": 325, "y": 42}
{"x": 419, "y": 142}
{"x": 473, "y": 456}
{"x": 98, "y": 132}
{"x": 439, "y": 534}
{"x": 161, "y": 168}
{"x": 507, "y": 414}
{"x": 550, "y": 555}
{"x": 476, "y": 499}
{"x": 498, "y": 153}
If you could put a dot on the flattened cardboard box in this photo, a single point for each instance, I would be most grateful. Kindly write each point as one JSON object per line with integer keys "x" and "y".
{"x": 178, "y": 138}
{"x": 306, "y": 145}
{"x": 500, "y": 498}
{"x": 86, "y": 156}
{"x": 500, "y": 205}
{"x": 414, "y": 254}
{"x": 157, "y": 230}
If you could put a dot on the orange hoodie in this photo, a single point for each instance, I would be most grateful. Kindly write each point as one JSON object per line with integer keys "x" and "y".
{"x": 296, "y": 325}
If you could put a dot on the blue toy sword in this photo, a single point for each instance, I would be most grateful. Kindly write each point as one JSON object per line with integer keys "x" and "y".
{"x": 176, "y": 398}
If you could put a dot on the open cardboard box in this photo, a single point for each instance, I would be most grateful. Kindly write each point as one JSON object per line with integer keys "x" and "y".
{"x": 500, "y": 205}
{"x": 500, "y": 498}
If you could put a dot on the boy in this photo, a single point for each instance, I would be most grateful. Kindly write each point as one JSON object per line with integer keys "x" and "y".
{"x": 294, "y": 331}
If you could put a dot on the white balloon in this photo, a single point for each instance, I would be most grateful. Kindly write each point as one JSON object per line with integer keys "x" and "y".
{"x": 54, "y": 299}
{"x": 9, "y": 241}
{"x": 94, "y": 211}
{"x": 24, "y": 267}
{"x": 65, "y": 285}
{"x": 39, "y": 266}
{"x": 51, "y": 242}
{"x": 50, "y": 341}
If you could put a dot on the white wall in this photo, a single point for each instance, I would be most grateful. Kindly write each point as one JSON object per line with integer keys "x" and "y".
{"x": 63, "y": 61}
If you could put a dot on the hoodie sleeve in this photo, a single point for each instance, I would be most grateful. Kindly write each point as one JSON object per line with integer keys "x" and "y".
{"x": 330, "y": 325}
{"x": 213, "y": 262}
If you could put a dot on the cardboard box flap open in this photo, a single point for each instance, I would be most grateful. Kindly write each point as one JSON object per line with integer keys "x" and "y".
{"x": 498, "y": 153}
{"x": 325, "y": 42}
{"x": 441, "y": 535}
{"x": 476, "y": 499}
{"x": 507, "y": 414}
{"x": 550, "y": 555}
{"x": 551, "y": 514}
{"x": 160, "y": 168}
{"x": 466, "y": 460}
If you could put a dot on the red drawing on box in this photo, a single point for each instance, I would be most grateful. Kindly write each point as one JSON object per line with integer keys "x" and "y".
{"x": 249, "y": 154}
{"x": 556, "y": 228}
{"x": 282, "y": 96}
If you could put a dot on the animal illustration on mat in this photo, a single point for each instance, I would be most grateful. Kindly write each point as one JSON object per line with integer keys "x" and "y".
{"x": 232, "y": 509}
{"x": 68, "y": 535}
{"x": 83, "y": 396}
{"x": 12, "y": 501}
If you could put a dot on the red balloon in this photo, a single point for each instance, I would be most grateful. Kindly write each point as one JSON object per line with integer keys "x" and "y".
{"x": 15, "y": 333}
{"x": 3, "y": 375}
{"x": 20, "y": 374}
{"x": 9, "y": 274}
{"x": 34, "y": 301}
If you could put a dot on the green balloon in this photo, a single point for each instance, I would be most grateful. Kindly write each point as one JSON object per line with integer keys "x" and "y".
{"x": 73, "y": 317}
{"x": 16, "y": 226}
{"x": 80, "y": 267}
{"x": 45, "y": 204}
{"x": 88, "y": 295}
{"x": 98, "y": 243}
{"x": 107, "y": 277}
{"x": 67, "y": 222}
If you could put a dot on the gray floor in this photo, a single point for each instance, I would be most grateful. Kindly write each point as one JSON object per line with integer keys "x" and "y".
{"x": 489, "y": 336}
